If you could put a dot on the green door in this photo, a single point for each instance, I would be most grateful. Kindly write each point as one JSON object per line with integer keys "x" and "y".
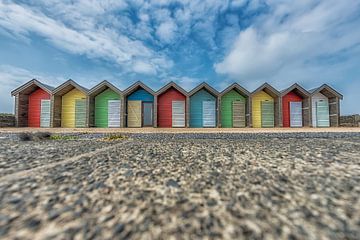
{"x": 80, "y": 113}
{"x": 322, "y": 113}
{"x": 267, "y": 114}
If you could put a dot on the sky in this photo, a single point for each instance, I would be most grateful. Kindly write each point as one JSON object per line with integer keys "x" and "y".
{"x": 220, "y": 42}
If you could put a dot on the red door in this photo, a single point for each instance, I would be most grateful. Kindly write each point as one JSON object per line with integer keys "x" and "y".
{"x": 34, "y": 106}
{"x": 290, "y": 97}
{"x": 164, "y": 108}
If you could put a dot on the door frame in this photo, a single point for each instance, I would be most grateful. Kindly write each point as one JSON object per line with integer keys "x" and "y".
{"x": 142, "y": 114}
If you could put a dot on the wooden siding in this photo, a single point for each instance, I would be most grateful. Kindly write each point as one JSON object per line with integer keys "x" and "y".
{"x": 164, "y": 106}
{"x": 34, "y": 106}
{"x": 314, "y": 100}
{"x": 290, "y": 97}
{"x": 256, "y": 107}
{"x": 196, "y": 107}
{"x": 101, "y": 107}
{"x": 134, "y": 113}
{"x": 139, "y": 95}
{"x": 68, "y": 107}
{"x": 227, "y": 107}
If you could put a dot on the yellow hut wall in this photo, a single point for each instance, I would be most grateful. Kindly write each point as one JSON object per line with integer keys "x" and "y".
{"x": 68, "y": 107}
{"x": 256, "y": 107}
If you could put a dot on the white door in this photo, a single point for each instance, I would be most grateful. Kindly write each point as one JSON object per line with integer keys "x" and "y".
{"x": 178, "y": 113}
{"x": 45, "y": 113}
{"x": 114, "y": 113}
{"x": 296, "y": 114}
{"x": 209, "y": 109}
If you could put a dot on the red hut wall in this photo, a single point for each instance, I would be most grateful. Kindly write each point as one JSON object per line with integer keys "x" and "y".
{"x": 164, "y": 113}
{"x": 35, "y": 105}
{"x": 290, "y": 97}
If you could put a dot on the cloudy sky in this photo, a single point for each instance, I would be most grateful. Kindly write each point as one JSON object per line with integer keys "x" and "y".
{"x": 187, "y": 41}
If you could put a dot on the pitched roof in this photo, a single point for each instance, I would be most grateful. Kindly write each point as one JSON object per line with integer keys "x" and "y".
{"x": 266, "y": 87}
{"x": 137, "y": 85}
{"x": 67, "y": 86}
{"x": 328, "y": 91}
{"x": 102, "y": 86}
{"x": 238, "y": 88}
{"x": 293, "y": 87}
{"x": 171, "y": 85}
{"x": 31, "y": 85}
{"x": 205, "y": 86}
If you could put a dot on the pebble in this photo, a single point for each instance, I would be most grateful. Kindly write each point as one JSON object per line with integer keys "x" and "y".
{"x": 171, "y": 186}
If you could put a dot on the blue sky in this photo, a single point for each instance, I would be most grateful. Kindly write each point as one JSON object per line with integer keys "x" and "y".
{"x": 189, "y": 41}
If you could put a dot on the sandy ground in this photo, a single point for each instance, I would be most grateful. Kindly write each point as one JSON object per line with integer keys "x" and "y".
{"x": 157, "y": 186}
{"x": 180, "y": 130}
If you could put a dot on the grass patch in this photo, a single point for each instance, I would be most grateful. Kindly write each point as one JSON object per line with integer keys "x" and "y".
{"x": 114, "y": 137}
{"x": 63, "y": 137}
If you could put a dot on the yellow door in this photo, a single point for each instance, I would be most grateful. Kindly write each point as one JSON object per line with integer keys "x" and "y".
{"x": 68, "y": 107}
{"x": 134, "y": 113}
{"x": 256, "y": 107}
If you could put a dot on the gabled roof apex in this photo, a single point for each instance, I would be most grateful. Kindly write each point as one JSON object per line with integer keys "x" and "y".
{"x": 174, "y": 85}
{"x": 235, "y": 86}
{"x": 70, "y": 82}
{"x": 136, "y": 85}
{"x": 30, "y": 83}
{"x": 104, "y": 83}
{"x": 266, "y": 86}
{"x": 293, "y": 87}
{"x": 327, "y": 87}
{"x": 204, "y": 85}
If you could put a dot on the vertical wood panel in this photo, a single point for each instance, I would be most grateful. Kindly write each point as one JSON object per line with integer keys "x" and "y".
{"x": 178, "y": 113}
{"x": 134, "y": 113}
{"x": 238, "y": 109}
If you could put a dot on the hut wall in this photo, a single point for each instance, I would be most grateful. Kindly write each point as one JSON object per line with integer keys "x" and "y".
{"x": 164, "y": 103}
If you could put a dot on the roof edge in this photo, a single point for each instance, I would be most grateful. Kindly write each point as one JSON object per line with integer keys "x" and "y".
{"x": 73, "y": 83}
{"x": 105, "y": 83}
{"x": 28, "y": 84}
{"x": 174, "y": 85}
{"x": 204, "y": 85}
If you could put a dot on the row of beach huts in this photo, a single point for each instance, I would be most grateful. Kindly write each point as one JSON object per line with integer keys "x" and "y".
{"x": 105, "y": 106}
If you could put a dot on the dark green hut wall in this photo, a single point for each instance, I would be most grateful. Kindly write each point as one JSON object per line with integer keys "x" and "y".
{"x": 226, "y": 107}
{"x": 101, "y": 107}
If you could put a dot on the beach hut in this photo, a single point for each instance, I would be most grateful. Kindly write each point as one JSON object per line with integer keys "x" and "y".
{"x": 266, "y": 107}
{"x": 105, "y": 106}
{"x": 139, "y": 105}
{"x": 203, "y": 106}
{"x": 171, "y": 106}
{"x": 234, "y": 102}
{"x": 325, "y": 106}
{"x": 70, "y": 101}
{"x": 33, "y": 104}
{"x": 295, "y": 107}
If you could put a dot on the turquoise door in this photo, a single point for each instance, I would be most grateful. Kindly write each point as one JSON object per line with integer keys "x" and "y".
{"x": 322, "y": 114}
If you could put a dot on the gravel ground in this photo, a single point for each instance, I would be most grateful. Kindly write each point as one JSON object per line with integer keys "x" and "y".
{"x": 182, "y": 186}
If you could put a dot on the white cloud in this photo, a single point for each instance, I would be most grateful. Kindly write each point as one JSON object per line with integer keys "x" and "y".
{"x": 100, "y": 42}
{"x": 291, "y": 36}
{"x": 166, "y": 31}
{"x": 144, "y": 68}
